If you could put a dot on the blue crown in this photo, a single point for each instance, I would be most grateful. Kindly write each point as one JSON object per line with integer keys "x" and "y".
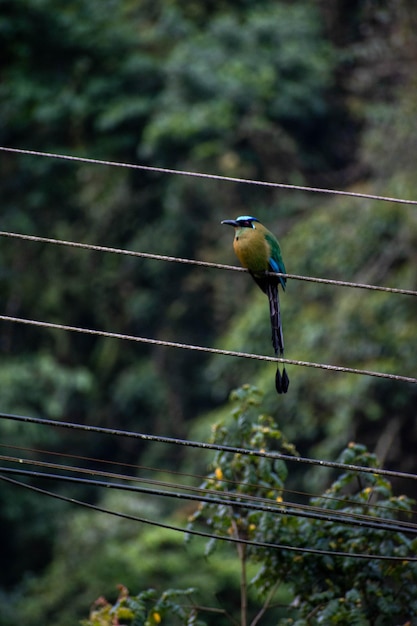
{"x": 246, "y": 218}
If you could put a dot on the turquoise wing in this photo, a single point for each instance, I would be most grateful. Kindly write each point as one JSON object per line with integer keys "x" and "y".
{"x": 276, "y": 263}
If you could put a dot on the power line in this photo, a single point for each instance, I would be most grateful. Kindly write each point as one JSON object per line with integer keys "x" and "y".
{"x": 206, "y": 535}
{"x": 200, "y": 348}
{"x": 197, "y": 348}
{"x": 227, "y": 481}
{"x": 207, "y": 446}
{"x": 236, "y": 502}
{"x": 230, "y": 179}
{"x": 221, "y": 266}
{"x": 206, "y": 264}
{"x": 222, "y": 497}
{"x": 230, "y": 499}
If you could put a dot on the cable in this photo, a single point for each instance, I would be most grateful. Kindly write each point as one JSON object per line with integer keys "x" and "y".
{"x": 163, "y": 170}
{"x": 218, "y": 266}
{"x": 206, "y": 535}
{"x": 230, "y": 179}
{"x": 228, "y": 481}
{"x": 186, "y": 346}
{"x": 221, "y": 266}
{"x": 220, "y": 496}
{"x": 208, "y": 446}
{"x": 238, "y": 503}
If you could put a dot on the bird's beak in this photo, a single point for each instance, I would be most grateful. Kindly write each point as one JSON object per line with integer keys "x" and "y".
{"x": 230, "y": 222}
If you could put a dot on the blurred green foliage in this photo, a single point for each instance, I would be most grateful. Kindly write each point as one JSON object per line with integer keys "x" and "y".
{"x": 311, "y": 92}
{"x": 146, "y": 609}
{"x": 330, "y": 588}
{"x": 112, "y": 551}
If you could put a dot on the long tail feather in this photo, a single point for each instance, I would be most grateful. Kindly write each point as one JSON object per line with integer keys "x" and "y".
{"x": 281, "y": 380}
{"x": 275, "y": 313}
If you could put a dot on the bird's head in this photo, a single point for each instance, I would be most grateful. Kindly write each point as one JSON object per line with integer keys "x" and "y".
{"x": 243, "y": 221}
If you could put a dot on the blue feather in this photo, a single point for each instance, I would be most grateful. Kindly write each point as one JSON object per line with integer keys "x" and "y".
{"x": 246, "y": 218}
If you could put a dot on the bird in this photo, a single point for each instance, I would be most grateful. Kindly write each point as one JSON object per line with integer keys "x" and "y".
{"x": 259, "y": 252}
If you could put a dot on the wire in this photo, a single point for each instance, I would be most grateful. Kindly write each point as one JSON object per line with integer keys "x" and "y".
{"x": 284, "y": 507}
{"x": 407, "y": 292}
{"x": 220, "y": 496}
{"x": 230, "y": 179}
{"x": 228, "y": 481}
{"x": 206, "y": 264}
{"x": 186, "y": 346}
{"x": 220, "y": 500}
{"x": 275, "y": 546}
{"x": 221, "y": 266}
{"x": 208, "y": 446}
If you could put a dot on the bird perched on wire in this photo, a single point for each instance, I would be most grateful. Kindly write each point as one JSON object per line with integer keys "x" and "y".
{"x": 258, "y": 250}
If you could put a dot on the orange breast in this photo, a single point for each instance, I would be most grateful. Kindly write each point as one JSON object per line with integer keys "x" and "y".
{"x": 252, "y": 250}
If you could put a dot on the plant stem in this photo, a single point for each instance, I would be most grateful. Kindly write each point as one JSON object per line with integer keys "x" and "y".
{"x": 241, "y": 550}
{"x": 266, "y": 603}
{"x": 243, "y": 585}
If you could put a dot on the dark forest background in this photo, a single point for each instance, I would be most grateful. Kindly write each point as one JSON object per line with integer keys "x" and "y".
{"x": 311, "y": 92}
